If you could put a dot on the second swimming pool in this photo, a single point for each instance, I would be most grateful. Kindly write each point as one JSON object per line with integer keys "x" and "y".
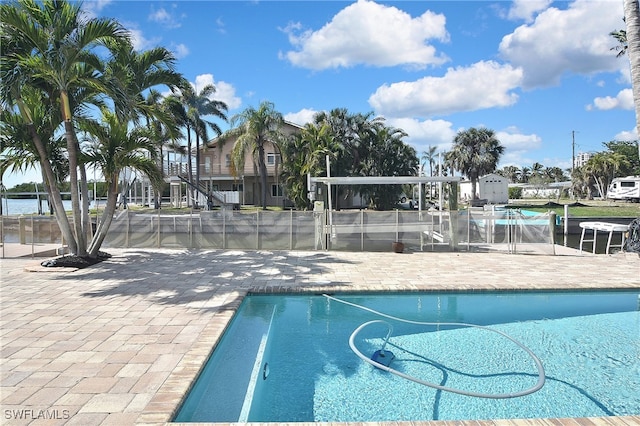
{"x": 286, "y": 358}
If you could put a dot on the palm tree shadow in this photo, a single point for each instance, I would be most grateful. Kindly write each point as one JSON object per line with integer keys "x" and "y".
{"x": 206, "y": 278}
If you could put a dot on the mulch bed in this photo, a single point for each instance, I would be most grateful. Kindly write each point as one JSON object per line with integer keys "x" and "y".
{"x": 73, "y": 261}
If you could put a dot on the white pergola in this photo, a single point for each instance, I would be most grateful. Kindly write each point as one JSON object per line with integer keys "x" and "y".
{"x": 381, "y": 180}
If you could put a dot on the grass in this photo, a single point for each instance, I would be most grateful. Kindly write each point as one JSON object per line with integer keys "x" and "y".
{"x": 590, "y": 208}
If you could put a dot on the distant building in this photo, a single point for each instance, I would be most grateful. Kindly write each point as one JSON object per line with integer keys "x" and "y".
{"x": 581, "y": 158}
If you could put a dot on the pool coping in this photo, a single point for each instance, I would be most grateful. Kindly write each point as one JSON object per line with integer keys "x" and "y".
{"x": 176, "y": 388}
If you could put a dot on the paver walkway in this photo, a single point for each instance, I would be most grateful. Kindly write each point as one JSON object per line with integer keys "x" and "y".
{"x": 118, "y": 343}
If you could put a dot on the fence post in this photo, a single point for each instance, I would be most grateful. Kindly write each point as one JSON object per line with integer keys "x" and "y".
{"x": 224, "y": 228}
{"x": 291, "y": 229}
{"x": 552, "y": 230}
{"x": 22, "y": 230}
{"x": 126, "y": 235}
{"x": 361, "y": 230}
{"x": 158, "y": 234}
{"x": 190, "y": 228}
{"x": 258, "y": 229}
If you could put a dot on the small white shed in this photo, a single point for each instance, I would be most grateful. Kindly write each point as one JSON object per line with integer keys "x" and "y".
{"x": 493, "y": 188}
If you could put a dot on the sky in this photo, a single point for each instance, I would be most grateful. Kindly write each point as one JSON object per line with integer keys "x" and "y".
{"x": 540, "y": 74}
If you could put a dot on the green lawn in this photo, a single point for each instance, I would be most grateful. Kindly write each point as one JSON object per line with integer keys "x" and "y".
{"x": 591, "y": 208}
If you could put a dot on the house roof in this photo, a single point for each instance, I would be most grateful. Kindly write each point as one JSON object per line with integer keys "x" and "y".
{"x": 292, "y": 127}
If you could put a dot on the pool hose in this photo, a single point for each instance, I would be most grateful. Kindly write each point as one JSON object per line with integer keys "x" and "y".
{"x": 536, "y": 360}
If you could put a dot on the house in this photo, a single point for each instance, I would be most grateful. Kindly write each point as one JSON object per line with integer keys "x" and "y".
{"x": 217, "y": 175}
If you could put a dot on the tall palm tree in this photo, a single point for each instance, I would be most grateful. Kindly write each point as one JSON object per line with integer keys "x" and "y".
{"x": 201, "y": 105}
{"x": 252, "y": 129}
{"x": 429, "y": 157}
{"x": 189, "y": 108}
{"x": 114, "y": 146}
{"x": 57, "y": 54}
{"x": 632, "y": 19}
{"x": 475, "y": 152}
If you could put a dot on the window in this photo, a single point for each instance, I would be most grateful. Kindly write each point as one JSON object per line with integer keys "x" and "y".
{"x": 228, "y": 160}
{"x": 276, "y": 190}
{"x": 627, "y": 184}
{"x": 236, "y": 187}
{"x": 272, "y": 158}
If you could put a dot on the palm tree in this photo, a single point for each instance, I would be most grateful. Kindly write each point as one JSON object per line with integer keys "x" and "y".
{"x": 603, "y": 167}
{"x": 188, "y": 108}
{"x": 386, "y": 155}
{"x": 304, "y": 153}
{"x": 536, "y": 169}
{"x": 429, "y": 157}
{"x": 475, "y": 152}
{"x": 134, "y": 77}
{"x": 52, "y": 48}
{"x": 20, "y": 154}
{"x": 632, "y": 19}
{"x": 581, "y": 183}
{"x": 252, "y": 129}
{"x": 201, "y": 105}
{"x": 114, "y": 147}
{"x": 510, "y": 172}
{"x": 525, "y": 174}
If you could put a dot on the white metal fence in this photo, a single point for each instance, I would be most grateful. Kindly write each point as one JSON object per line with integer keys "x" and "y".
{"x": 352, "y": 230}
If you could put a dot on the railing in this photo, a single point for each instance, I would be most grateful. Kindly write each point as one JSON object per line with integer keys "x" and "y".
{"x": 359, "y": 230}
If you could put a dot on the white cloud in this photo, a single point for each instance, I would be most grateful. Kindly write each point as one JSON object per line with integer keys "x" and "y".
{"x": 225, "y": 92}
{"x": 180, "y": 50}
{"x": 168, "y": 19}
{"x": 623, "y": 100}
{"x": 517, "y": 145}
{"x": 301, "y": 117}
{"x": 425, "y": 133}
{"x": 369, "y": 33}
{"x": 627, "y": 135}
{"x": 558, "y": 41}
{"x": 513, "y": 140}
{"x": 141, "y": 43}
{"x": 220, "y": 26}
{"x": 93, "y": 8}
{"x": 482, "y": 85}
{"x": 527, "y": 9}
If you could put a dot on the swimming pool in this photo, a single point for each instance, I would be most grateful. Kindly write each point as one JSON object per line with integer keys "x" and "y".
{"x": 286, "y": 358}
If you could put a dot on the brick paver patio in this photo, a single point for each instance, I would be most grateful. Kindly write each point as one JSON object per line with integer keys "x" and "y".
{"x": 120, "y": 342}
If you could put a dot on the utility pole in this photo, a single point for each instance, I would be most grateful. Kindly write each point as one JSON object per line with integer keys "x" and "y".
{"x": 573, "y": 151}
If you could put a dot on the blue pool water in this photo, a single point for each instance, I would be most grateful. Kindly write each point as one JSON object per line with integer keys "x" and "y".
{"x": 287, "y": 358}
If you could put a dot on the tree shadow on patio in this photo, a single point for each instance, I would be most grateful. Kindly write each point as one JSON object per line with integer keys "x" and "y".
{"x": 205, "y": 279}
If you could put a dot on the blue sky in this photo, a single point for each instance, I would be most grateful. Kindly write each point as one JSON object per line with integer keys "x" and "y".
{"x": 534, "y": 71}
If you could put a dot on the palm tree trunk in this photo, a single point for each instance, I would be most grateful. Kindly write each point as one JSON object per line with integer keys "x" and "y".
{"x": 54, "y": 193}
{"x": 632, "y": 18}
{"x": 81, "y": 249}
{"x": 106, "y": 219}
